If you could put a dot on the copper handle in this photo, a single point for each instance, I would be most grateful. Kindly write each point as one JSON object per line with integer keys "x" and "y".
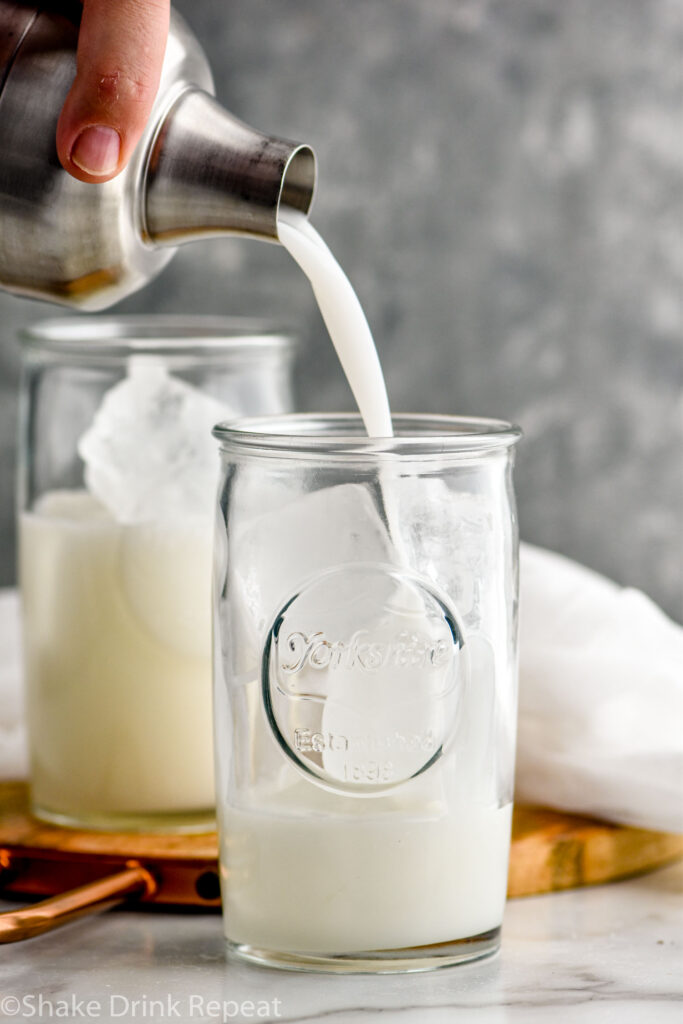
{"x": 102, "y": 894}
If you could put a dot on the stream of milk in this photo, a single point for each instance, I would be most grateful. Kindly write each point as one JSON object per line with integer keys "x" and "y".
{"x": 344, "y": 318}
{"x": 313, "y": 871}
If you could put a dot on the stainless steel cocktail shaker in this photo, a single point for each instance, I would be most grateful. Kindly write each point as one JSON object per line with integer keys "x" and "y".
{"x": 196, "y": 171}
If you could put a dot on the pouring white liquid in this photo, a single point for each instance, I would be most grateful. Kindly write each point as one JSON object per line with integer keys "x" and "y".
{"x": 344, "y": 319}
{"x": 313, "y": 871}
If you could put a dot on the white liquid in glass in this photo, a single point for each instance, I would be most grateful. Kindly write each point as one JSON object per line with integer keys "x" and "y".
{"x": 118, "y": 668}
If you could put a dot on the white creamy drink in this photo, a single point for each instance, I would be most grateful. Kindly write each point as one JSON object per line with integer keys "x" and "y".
{"x": 118, "y": 663}
{"x": 116, "y": 600}
{"x": 307, "y": 869}
{"x": 342, "y": 879}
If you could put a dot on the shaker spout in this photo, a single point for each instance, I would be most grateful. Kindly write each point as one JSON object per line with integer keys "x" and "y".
{"x": 210, "y": 174}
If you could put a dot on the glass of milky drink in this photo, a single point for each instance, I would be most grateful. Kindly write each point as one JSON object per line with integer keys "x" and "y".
{"x": 117, "y": 491}
{"x": 365, "y": 689}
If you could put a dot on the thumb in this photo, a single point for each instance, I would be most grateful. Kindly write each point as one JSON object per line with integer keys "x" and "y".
{"x": 121, "y": 49}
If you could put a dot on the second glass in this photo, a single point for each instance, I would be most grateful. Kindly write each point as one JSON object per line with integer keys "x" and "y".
{"x": 118, "y": 472}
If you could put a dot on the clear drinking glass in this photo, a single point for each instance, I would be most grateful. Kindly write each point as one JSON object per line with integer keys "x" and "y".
{"x": 115, "y": 558}
{"x": 365, "y": 689}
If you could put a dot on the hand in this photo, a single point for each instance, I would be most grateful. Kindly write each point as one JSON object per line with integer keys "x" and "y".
{"x": 120, "y": 52}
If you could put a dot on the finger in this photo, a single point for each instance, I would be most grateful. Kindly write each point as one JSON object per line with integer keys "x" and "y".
{"x": 121, "y": 48}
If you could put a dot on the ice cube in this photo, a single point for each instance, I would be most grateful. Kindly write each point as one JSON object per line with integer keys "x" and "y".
{"x": 448, "y": 536}
{"x": 388, "y": 721}
{"x": 279, "y": 563}
{"x": 445, "y": 536}
{"x": 149, "y": 453}
{"x": 275, "y": 552}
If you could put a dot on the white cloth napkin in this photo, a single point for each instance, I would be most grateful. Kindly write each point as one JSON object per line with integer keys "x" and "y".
{"x": 601, "y": 697}
{"x": 13, "y": 749}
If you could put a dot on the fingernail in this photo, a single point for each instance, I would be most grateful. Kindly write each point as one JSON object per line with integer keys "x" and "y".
{"x": 96, "y": 150}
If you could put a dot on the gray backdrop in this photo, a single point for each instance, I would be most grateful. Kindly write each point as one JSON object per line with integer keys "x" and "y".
{"x": 502, "y": 182}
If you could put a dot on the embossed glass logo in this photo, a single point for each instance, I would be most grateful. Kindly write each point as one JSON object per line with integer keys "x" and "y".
{"x": 362, "y": 676}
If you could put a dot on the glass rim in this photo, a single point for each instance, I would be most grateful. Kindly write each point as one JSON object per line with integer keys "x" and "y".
{"x": 344, "y": 434}
{"x": 159, "y": 334}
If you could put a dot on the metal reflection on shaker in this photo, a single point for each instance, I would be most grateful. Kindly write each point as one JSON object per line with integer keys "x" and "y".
{"x": 197, "y": 171}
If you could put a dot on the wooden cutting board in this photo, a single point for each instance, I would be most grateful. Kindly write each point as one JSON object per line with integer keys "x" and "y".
{"x": 550, "y": 851}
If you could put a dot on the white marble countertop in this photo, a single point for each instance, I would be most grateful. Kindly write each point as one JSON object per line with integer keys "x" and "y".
{"x": 612, "y": 953}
